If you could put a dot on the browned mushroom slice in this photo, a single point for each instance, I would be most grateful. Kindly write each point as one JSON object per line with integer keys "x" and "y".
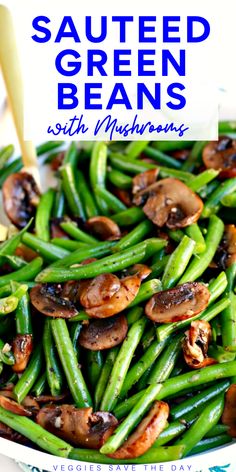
{"x": 8, "y": 433}
{"x": 31, "y": 404}
{"x": 22, "y": 347}
{"x": 141, "y": 182}
{"x": 99, "y": 290}
{"x": 79, "y": 426}
{"x": 26, "y": 253}
{"x": 14, "y": 407}
{"x": 229, "y": 242}
{"x": 195, "y": 345}
{"x": 173, "y": 204}
{"x": 180, "y": 154}
{"x": 20, "y": 198}
{"x": 229, "y": 413}
{"x": 51, "y": 398}
{"x": 104, "y": 228}
{"x": 129, "y": 287}
{"x": 141, "y": 270}
{"x": 179, "y": 303}
{"x": 57, "y": 160}
{"x": 47, "y": 299}
{"x": 221, "y": 155}
{"x": 104, "y": 333}
{"x": 146, "y": 433}
{"x": 123, "y": 195}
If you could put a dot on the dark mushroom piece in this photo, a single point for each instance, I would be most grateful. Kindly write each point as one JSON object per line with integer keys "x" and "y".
{"x": 52, "y": 398}
{"x": 179, "y": 303}
{"x": 221, "y": 155}
{"x": 20, "y": 198}
{"x": 129, "y": 287}
{"x": 229, "y": 242}
{"x": 195, "y": 345}
{"x": 47, "y": 299}
{"x": 25, "y": 253}
{"x": 141, "y": 182}
{"x": 104, "y": 228}
{"x": 145, "y": 434}
{"x": 31, "y": 404}
{"x": 123, "y": 195}
{"x": 99, "y": 290}
{"x": 57, "y": 160}
{"x": 22, "y": 347}
{"x": 8, "y": 433}
{"x": 229, "y": 413}
{"x": 79, "y": 426}
{"x": 170, "y": 202}
{"x": 141, "y": 270}
{"x": 14, "y": 407}
{"x": 104, "y": 333}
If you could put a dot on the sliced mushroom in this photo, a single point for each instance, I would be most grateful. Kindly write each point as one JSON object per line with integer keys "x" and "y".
{"x": 229, "y": 413}
{"x": 129, "y": 287}
{"x": 20, "y": 198}
{"x": 14, "y": 407}
{"x": 8, "y": 433}
{"x": 180, "y": 154}
{"x": 141, "y": 270}
{"x": 179, "y": 303}
{"x": 146, "y": 433}
{"x": 79, "y": 426}
{"x": 26, "y": 253}
{"x": 221, "y": 155}
{"x": 31, "y": 404}
{"x": 104, "y": 228}
{"x": 170, "y": 202}
{"x": 195, "y": 345}
{"x": 99, "y": 290}
{"x": 229, "y": 242}
{"x": 141, "y": 183}
{"x": 52, "y": 398}
{"x": 22, "y": 347}
{"x": 57, "y": 160}
{"x": 47, "y": 299}
{"x": 104, "y": 333}
{"x": 123, "y": 195}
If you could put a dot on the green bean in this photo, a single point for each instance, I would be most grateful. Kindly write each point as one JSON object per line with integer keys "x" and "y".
{"x": 97, "y": 173}
{"x": 176, "y": 234}
{"x": 212, "y": 205}
{"x": 5, "y": 154}
{"x": 9, "y": 169}
{"x": 210, "y": 443}
{"x": 53, "y": 369}
{"x": 9, "y": 246}
{"x": 166, "y": 362}
{"x": 28, "y": 272}
{"x": 86, "y": 195}
{"x": 96, "y": 250}
{"x": 6, "y": 355}
{"x": 146, "y": 291}
{"x": 197, "y": 402}
{"x": 135, "y": 148}
{"x": 216, "y": 430}
{"x": 208, "y": 189}
{"x": 75, "y": 330}
{"x": 104, "y": 376}
{"x": 140, "y": 367}
{"x": 206, "y": 420}
{"x": 228, "y": 316}
{"x": 118, "y": 179}
{"x": 134, "y": 314}
{"x": 143, "y": 381}
{"x": 166, "y": 330}
{"x": 123, "y": 430}
{"x": 15, "y": 262}
{"x": 48, "y": 146}
{"x": 167, "y": 146}
{"x": 122, "y": 364}
{"x": 135, "y": 236}
{"x": 193, "y": 231}
{"x": 153, "y": 455}
{"x": 94, "y": 361}
{"x": 229, "y": 200}
{"x": 8, "y": 288}
{"x": 69, "y": 188}
{"x": 220, "y": 354}
{"x": 113, "y": 203}
{"x": 217, "y": 286}
{"x": 112, "y": 263}
{"x": 69, "y": 363}
{"x": 23, "y": 316}
{"x": 129, "y": 217}
{"x": 59, "y": 203}
{"x": 39, "y": 387}
{"x": 178, "y": 262}
{"x": 226, "y": 126}
{"x": 30, "y": 375}
{"x": 199, "y": 181}
{"x": 35, "y": 433}
{"x": 162, "y": 158}
{"x": 195, "y": 155}
{"x": 47, "y": 250}
{"x": 71, "y": 155}
{"x": 148, "y": 337}
{"x": 43, "y": 214}
{"x": 82, "y": 316}
{"x": 178, "y": 384}
{"x": 200, "y": 263}
{"x": 158, "y": 267}
{"x": 76, "y": 233}
{"x": 68, "y": 244}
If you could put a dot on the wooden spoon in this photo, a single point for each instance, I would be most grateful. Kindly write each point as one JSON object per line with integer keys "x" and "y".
{"x": 10, "y": 63}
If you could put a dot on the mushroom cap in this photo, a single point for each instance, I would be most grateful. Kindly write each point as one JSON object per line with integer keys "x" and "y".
{"x": 221, "y": 155}
{"x": 179, "y": 303}
{"x": 104, "y": 333}
{"x": 229, "y": 241}
{"x": 172, "y": 203}
{"x": 141, "y": 270}
{"x": 20, "y": 198}
{"x": 141, "y": 182}
{"x": 145, "y": 434}
{"x": 22, "y": 347}
{"x": 99, "y": 290}
{"x": 229, "y": 413}
{"x": 104, "y": 228}
{"x": 47, "y": 299}
{"x": 10, "y": 405}
{"x": 195, "y": 345}
{"x": 79, "y": 426}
